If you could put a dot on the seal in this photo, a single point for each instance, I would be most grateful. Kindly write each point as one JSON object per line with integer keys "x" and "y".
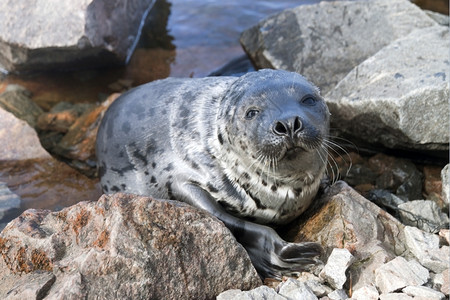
{"x": 249, "y": 150}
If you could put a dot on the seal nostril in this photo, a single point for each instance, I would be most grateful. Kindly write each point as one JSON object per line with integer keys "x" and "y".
{"x": 297, "y": 124}
{"x": 280, "y": 128}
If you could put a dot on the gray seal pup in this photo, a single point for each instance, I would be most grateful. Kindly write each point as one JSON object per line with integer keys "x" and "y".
{"x": 249, "y": 150}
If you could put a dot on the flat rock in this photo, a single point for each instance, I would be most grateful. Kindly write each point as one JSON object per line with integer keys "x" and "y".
{"x": 368, "y": 292}
{"x": 399, "y": 96}
{"x": 39, "y": 35}
{"x": 423, "y": 292}
{"x": 325, "y": 41}
{"x": 125, "y": 246}
{"x": 400, "y": 273}
{"x": 342, "y": 218}
{"x": 395, "y": 296}
{"x": 293, "y": 289}
{"x": 424, "y": 214}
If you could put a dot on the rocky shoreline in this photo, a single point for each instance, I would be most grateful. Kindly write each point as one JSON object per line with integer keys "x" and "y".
{"x": 383, "y": 219}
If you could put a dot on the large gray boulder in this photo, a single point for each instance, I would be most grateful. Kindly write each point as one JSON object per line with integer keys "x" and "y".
{"x": 325, "y": 41}
{"x": 43, "y": 34}
{"x": 121, "y": 247}
{"x": 399, "y": 96}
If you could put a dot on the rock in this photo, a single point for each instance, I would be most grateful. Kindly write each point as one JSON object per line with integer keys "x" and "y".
{"x": 385, "y": 199}
{"x": 445, "y": 235}
{"x": 339, "y": 294}
{"x": 423, "y": 292}
{"x": 399, "y": 273}
{"x": 337, "y": 264}
{"x": 387, "y": 103}
{"x": 433, "y": 185}
{"x": 325, "y": 41}
{"x": 78, "y": 144}
{"x": 445, "y": 287}
{"x": 31, "y": 173}
{"x": 425, "y": 247}
{"x": 72, "y": 34}
{"x": 368, "y": 292}
{"x": 8, "y": 201}
{"x": 262, "y": 292}
{"x": 17, "y": 100}
{"x": 445, "y": 175}
{"x": 399, "y": 176}
{"x": 293, "y": 289}
{"x": 341, "y": 218}
{"x": 126, "y": 246}
{"x": 424, "y": 214}
{"x": 395, "y": 296}
{"x": 315, "y": 284}
{"x": 441, "y": 19}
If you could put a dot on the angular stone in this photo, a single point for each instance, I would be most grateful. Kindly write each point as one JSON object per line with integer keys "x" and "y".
{"x": 262, "y": 292}
{"x": 17, "y": 100}
{"x": 445, "y": 287}
{"x": 445, "y": 235}
{"x": 336, "y": 266}
{"x": 423, "y": 292}
{"x": 433, "y": 185}
{"x": 293, "y": 289}
{"x": 368, "y": 292}
{"x": 399, "y": 273}
{"x": 424, "y": 214}
{"x": 326, "y": 40}
{"x": 126, "y": 246}
{"x": 342, "y": 218}
{"x": 339, "y": 294}
{"x": 315, "y": 284}
{"x": 72, "y": 34}
{"x": 395, "y": 296}
{"x": 425, "y": 247}
{"x": 387, "y": 103}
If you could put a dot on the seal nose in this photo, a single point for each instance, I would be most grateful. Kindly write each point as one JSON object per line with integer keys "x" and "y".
{"x": 288, "y": 127}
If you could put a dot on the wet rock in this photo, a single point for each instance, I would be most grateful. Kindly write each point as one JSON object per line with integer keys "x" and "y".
{"x": 336, "y": 266}
{"x": 424, "y": 214}
{"x": 61, "y": 116}
{"x": 17, "y": 100}
{"x": 387, "y": 103}
{"x": 445, "y": 175}
{"x": 368, "y": 292}
{"x": 78, "y": 145}
{"x": 126, "y": 246}
{"x": 342, "y": 218}
{"x": 400, "y": 273}
{"x": 71, "y": 34}
{"x": 262, "y": 292}
{"x": 293, "y": 289}
{"x": 323, "y": 41}
{"x": 31, "y": 173}
{"x": 423, "y": 292}
{"x": 425, "y": 247}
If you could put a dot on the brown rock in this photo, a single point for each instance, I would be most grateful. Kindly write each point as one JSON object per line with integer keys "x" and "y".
{"x": 123, "y": 246}
{"x": 79, "y": 142}
{"x": 59, "y": 122}
{"x": 342, "y": 218}
{"x": 433, "y": 185}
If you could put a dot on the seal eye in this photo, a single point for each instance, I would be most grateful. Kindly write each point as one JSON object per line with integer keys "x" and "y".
{"x": 309, "y": 100}
{"x": 251, "y": 113}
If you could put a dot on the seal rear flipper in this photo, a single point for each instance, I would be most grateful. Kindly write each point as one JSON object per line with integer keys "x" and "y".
{"x": 271, "y": 256}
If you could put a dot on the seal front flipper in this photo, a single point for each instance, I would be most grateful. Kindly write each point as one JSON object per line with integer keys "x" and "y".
{"x": 270, "y": 254}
